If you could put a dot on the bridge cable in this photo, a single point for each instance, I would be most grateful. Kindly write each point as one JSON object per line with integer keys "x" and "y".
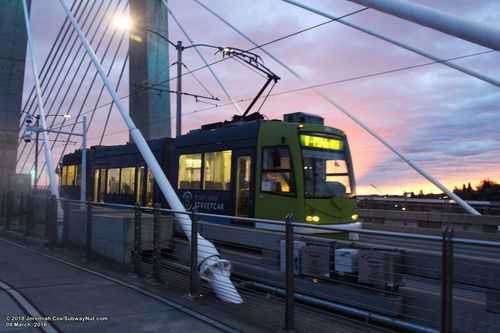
{"x": 400, "y": 44}
{"x": 89, "y": 66}
{"x": 219, "y": 81}
{"x": 112, "y": 104}
{"x": 30, "y": 108}
{"x": 67, "y": 72}
{"x": 58, "y": 62}
{"x": 44, "y": 70}
{"x": 111, "y": 66}
{"x": 75, "y": 73}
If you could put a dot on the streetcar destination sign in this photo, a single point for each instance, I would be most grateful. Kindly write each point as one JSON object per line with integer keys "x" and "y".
{"x": 320, "y": 142}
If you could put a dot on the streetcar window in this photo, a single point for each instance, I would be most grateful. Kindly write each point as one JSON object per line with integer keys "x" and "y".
{"x": 64, "y": 173}
{"x": 277, "y": 173}
{"x": 189, "y": 172}
{"x": 97, "y": 173}
{"x": 139, "y": 189}
{"x": 149, "y": 189}
{"x": 78, "y": 178}
{"x": 113, "y": 181}
{"x": 70, "y": 175}
{"x": 102, "y": 184}
{"x": 217, "y": 170}
{"x": 326, "y": 173}
{"x": 127, "y": 181}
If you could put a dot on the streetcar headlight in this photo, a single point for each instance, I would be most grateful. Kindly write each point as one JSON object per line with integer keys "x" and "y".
{"x": 312, "y": 218}
{"x": 355, "y": 217}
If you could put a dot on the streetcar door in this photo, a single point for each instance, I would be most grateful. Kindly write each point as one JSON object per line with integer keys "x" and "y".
{"x": 99, "y": 183}
{"x": 139, "y": 186}
{"x": 243, "y": 181}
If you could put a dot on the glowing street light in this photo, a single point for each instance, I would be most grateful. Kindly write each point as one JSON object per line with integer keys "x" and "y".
{"x": 123, "y": 22}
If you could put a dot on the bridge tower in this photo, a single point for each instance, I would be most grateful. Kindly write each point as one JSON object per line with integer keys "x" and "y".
{"x": 149, "y": 64}
{"x": 12, "y": 61}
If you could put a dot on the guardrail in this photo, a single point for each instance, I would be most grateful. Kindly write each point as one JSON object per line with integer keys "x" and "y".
{"x": 310, "y": 279}
{"x": 426, "y": 205}
{"x": 484, "y": 227}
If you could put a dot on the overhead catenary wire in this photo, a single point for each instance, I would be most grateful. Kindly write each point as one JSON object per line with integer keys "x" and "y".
{"x": 141, "y": 89}
{"x": 395, "y": 70}
{"x": 199, "y": 81}
{"x": 236, "y": 106}
{"x": 267, "y": 43}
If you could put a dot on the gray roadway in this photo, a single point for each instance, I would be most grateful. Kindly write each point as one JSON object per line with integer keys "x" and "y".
{"x": 56, "y": 289}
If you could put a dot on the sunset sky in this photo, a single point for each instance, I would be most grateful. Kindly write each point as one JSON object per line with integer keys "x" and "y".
{"x": 445, "y": 121}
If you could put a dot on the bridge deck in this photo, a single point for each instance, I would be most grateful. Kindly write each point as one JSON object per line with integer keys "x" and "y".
{"x": 53, "y": 288}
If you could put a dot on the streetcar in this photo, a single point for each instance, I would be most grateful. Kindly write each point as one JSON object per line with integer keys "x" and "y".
{"x": 252, "y": 168}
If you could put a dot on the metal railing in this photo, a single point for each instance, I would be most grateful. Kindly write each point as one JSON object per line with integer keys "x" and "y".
{"x": 485, "y": 227}
{"x": 291, "y": 276}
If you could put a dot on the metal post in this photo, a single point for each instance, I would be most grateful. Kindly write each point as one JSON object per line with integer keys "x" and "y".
{"x": 156, "y": 242}
{"x": 178, "y": 130}
{"x": 4, "y": 205}
{"x": 35, "y": 180}
{"x": 47, "y": 216}
{"x": 41, "y": 109}
{"x": 29, "y": 214}
{"x": 194, "y": 280}
{"x": 65, "y": 221}
{"x": 22, "y": 211}
{"x": 52, "y": 223}
{"x": 83, "y": 185}
{"x": 447, "y": 280}
{"x": 137, "y": 239}
{"x": 88, "y": 226}
{"x": 289, "y": 271}
{"x": 8, "y": 210}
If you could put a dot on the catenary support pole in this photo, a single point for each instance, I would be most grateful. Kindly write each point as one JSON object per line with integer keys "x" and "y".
{"x": 473, "y": 32}
{"x": 178, "y": 129}
{"x": 400, "y": 44}
{"x": 83, "y": 185}
{"x": 212, "y": 268}
{"x": 35, "y": 169}
{"x": 433, "y": 180}
{"x": 41, "y": 111}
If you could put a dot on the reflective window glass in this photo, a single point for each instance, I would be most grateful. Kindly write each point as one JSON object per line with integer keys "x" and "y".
{"x": 189, "y": 172}
{"x": 127, "y": 181}
{"x": 64, "y": 174}
{"x": 277, "y": 173}
{"x": 149, "y": 189}
{"x": 71, "y": 175}
{"x": 217, "y": 170}
{"x": 113, "y": 181}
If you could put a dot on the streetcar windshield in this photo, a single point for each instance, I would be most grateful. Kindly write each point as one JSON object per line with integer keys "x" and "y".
{"x": 326, "y": 173}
